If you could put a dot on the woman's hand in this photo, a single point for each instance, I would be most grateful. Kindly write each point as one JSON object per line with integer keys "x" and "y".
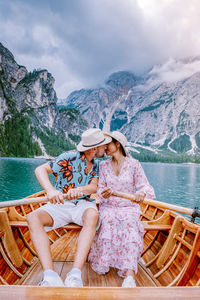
{"x": 107, "y": 192}
{"x": 139, "y": 196}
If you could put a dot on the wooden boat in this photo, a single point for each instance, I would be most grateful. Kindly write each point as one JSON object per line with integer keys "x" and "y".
{"x": 169, "y": 267}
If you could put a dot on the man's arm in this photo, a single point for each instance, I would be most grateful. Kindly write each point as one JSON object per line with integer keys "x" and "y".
{"x": 42, "y": 173}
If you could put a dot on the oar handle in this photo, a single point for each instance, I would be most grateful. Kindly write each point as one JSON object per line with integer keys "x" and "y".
{"x": 177, "y": 208}
{"x": 25, "y": 201}
{"x": 124, "y": 195}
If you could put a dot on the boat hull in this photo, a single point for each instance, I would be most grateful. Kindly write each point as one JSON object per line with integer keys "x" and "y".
{"x": 169, "y": 266}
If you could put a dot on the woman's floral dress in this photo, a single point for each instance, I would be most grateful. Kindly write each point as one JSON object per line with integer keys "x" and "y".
{"x": 119, "y": 241}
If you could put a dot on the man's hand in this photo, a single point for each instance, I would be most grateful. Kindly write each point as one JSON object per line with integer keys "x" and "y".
{"x": 74, "y": 194}
{"x": 55, "y": 197}
{"x": 139, "y": 196}
{"x": 107, "y": 192}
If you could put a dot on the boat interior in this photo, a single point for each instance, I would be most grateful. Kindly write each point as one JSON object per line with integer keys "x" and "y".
{"x": 170, "y": 258}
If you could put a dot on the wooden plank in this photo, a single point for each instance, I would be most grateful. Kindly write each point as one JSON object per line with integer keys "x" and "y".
{"x": 34, "y": 277}
{"x": 112, "y": 278}
{"x": 170, "y": 242}
{"x": 72, "y": 226}
{"x": 73, "y": 247}
{"x": 95, "y": 279}
{"x": 144, "y": 277}
{"x": 157, "y": 227}
{"x": 67, "y": 266}
{"x": 85, "y": 275}
{"x": 64, "y": 293}
{"x": 8, "y": 240}
{"x": 58, "y": 267}
{"x": 67, "y": 250}
{"x": 193, "y": 262}
{"x": 77, "y": 227}
{"x": 60, "y": 249}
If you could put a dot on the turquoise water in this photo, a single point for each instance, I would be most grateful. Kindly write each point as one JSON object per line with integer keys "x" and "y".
{"x": 173, "y": 183}
{"x": 177, "y": 184}
{"x": 17, "y": 178}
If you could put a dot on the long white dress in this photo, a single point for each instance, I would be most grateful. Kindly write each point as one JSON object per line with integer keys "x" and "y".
{"x": 119, "y": 240}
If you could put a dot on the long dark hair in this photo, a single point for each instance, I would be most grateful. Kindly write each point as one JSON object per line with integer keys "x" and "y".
{"x": 121, "y": 148}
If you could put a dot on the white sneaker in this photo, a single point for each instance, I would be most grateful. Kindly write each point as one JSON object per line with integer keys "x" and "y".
{"x": 129, "y": 282}
{"x": 73, "y": 281}
{"x": 52, "y": 282}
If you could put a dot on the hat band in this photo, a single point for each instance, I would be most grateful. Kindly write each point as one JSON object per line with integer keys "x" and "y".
{"x": 94, "y": 144}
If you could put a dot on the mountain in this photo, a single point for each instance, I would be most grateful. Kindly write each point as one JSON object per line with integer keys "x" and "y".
{"x": 31, "y": 123}
{"x": 158, "y": 112}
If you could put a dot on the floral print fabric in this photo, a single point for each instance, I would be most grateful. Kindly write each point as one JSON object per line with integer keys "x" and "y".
{"x": 119, "y": 241}
{"x": 70, "y": 170}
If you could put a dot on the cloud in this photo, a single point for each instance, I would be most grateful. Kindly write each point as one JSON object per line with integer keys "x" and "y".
{"x": 173, "y": 71}
{"x": 82, "y": 42}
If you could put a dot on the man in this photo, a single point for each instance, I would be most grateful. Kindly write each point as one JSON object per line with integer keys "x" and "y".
{"x": 77, "y": 175}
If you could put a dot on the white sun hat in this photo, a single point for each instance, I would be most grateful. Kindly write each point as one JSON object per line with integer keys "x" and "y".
{"x": 118, "y": 136}
{"x": 93, "y": 137}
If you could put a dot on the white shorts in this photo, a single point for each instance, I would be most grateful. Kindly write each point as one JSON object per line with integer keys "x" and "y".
{"x": 63, "y": 214}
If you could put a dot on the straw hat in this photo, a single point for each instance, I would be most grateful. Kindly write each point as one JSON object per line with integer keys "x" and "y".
{"x": 91, "y": 138}
{"x": 118, "y": 136}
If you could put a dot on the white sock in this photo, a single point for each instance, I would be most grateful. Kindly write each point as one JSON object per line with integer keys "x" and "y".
{"x": 75, "y": 271}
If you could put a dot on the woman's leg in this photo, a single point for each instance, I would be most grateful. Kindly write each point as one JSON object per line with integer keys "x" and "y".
{"x": 129, "y": 281}
{"x": 130, "y": 273}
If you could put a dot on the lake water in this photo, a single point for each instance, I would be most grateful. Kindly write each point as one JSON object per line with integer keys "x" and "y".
{"x": 173, "y": 183}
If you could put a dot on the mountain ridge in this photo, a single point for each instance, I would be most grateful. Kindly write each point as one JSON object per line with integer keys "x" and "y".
{"x": 163, "y": 115}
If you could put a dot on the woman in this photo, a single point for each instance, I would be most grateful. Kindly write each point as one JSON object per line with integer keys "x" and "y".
{"x": 119, "y": 241}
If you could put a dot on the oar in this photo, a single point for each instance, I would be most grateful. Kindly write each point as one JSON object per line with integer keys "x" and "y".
{"x": 177, "y": 208}
{"x": 25, "y": 201}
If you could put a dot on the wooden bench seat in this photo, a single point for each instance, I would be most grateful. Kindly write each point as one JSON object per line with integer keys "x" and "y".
{"x": 161, "y": 227}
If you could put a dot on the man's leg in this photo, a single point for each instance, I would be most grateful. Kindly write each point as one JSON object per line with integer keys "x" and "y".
{"x": 36, "y": 222}
{"x": 86, "y": 236}
{"x": 85, "y": 239}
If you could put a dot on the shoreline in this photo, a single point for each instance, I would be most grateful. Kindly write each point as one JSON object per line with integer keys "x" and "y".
{"x": 49, "y": 158}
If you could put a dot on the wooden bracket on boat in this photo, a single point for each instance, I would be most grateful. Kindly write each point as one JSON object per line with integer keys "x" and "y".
{"x": 14, "y": 215}
{"x": 8, "y": 240}
{"x": 170, "y": 242}
{"x": 162, "y": 223}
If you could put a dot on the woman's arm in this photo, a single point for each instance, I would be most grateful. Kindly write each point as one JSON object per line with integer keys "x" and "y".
{"x": 142, "y": 184}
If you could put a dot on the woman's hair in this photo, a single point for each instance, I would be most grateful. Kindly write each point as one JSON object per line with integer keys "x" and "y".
{"x": 121, "y": 148}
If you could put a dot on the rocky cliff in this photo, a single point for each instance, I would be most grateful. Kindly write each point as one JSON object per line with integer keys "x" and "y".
{"x": 159, "y": 111}
{"x": 29, "y": 116}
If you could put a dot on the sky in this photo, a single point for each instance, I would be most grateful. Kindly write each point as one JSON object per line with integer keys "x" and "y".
{"x": 82, "y": 42}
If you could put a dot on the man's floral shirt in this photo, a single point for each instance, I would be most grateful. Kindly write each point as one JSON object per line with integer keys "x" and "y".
{"x": 70, "y": 170}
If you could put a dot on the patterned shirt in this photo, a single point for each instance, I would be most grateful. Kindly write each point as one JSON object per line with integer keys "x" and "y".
{"x": 70, "y": 170}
